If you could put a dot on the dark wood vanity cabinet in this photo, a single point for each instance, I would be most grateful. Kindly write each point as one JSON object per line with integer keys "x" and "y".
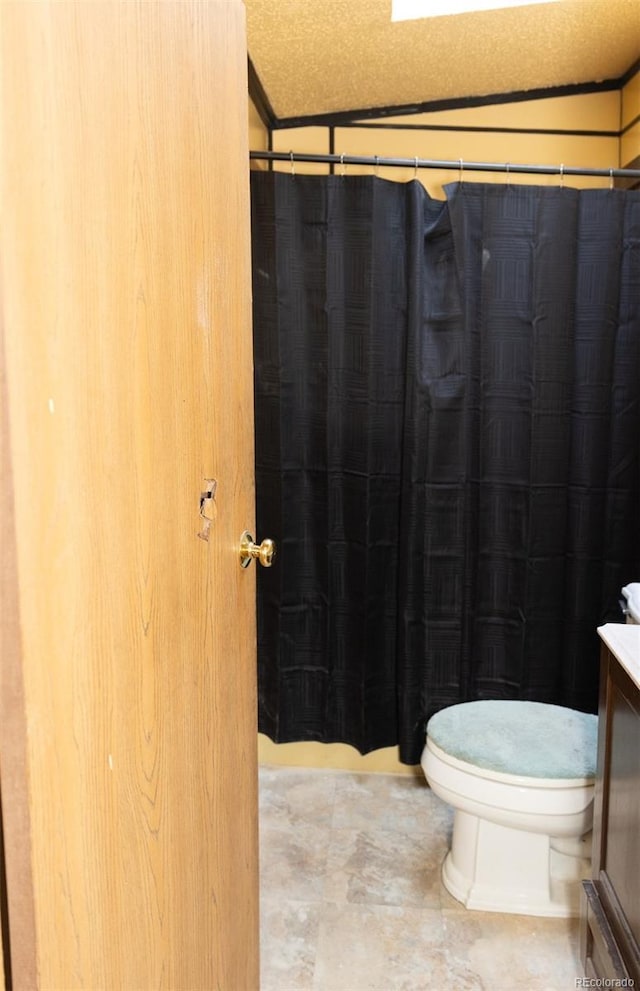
{"x": 610, "y": 917}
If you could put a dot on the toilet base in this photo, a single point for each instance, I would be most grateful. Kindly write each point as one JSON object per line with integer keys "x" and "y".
{"x": 493, "y": 868}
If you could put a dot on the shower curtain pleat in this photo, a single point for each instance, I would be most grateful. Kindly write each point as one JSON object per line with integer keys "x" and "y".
{"x": 447, "y": 447}
{"x": 329, "y": 408}
{"x": 432, "y": 575}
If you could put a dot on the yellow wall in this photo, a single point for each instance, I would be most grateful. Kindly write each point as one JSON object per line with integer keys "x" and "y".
{"x": 599, "y": 112}
{"x": 331, "y": 755}
{"x": 630, "y": 140}
{"x": 258, "y": 134}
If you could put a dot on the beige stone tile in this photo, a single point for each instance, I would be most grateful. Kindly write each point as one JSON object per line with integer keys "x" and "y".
{"x": 386, "y": 948}
{"x": 293, "y": 862}
{"x": 376, "y": 867}
{"x": 296, "y": 808}
{"x": 515, "y": 952}
{"x": 288, "y": 940}
{"x": 352, "y": 897}
{"x": 390, "y": 802}
{"x": 295, "y": 797}
{"x": 389, "y": 839}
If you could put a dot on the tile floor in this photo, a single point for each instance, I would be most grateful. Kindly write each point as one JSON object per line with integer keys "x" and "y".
{"x": 352, "y": 899}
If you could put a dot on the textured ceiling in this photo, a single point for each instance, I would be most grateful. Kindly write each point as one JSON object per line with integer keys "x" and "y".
{"x": 326, "y": 56}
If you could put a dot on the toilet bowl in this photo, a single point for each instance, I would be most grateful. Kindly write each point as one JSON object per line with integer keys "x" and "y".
{"x": 520, "y": 778}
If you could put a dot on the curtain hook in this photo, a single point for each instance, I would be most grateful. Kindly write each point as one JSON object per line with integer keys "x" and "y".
{"x": 461, "y": 169}
{"x": 561, "y": 175}
{"x": 415, "y": 169}
{"x": 376, "y": 166}
{"x": 342, "y": 164}
{"x": 610, "y": 178}
{"x": 293, "y": 171}
{"x": 508, "y": 164}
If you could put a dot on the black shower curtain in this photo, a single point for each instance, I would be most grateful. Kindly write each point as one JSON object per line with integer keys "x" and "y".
{"x": 447, "y": 447}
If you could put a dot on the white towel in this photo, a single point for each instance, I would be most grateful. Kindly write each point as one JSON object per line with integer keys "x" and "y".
{"x": 632, "y": 595}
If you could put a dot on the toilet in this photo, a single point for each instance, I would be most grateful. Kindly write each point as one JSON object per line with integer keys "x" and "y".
{"x": 520, "y": 778}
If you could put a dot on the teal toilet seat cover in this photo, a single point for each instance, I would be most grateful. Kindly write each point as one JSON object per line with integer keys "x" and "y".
{"x": 531, "y": 739}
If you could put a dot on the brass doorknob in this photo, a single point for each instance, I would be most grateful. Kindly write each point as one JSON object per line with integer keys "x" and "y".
{"x": 264, "y": 552}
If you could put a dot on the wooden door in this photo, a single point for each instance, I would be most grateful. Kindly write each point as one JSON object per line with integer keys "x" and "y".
{"x": 127, "y": 722}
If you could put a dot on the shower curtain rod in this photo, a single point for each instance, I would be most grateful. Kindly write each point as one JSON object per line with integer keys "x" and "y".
{"x": 458, "y": 165}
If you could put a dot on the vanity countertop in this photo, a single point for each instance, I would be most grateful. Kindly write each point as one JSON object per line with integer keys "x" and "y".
{"x": 623, "y": 640}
